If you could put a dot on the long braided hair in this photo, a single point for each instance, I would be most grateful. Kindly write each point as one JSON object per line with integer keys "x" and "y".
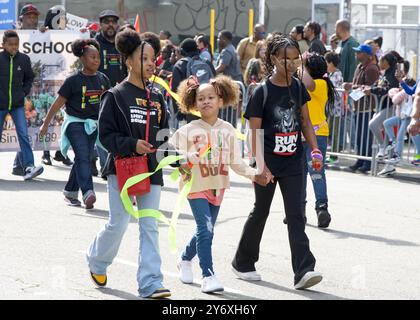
{"x": 318, "y": 69}
{"x": 275, "y": 43}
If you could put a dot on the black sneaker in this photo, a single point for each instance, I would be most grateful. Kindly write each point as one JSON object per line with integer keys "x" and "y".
{"x": 18, "y": 171}
{"x": 46, "y": 160}
{"x": 67, "y": 162}
{"x": 324, "y": 217}
{"x": 59, "y": 156}
{"x": 363, "y": 169}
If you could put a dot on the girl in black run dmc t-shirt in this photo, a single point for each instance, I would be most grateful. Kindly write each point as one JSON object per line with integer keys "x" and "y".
{"x": 80, "y": 93}
{"x": 283, "y": 118}
{"x": 125, "y": 111}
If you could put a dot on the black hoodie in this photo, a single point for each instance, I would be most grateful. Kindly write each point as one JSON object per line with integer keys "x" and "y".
{"x": 16, "y": 77}
{"x": 122, "y": 124}
{"x": 111, "y": 61}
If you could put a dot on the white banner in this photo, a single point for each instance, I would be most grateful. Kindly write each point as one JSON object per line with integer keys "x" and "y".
{"x": 52, "y": 61}
{"x": 75, "y": 23}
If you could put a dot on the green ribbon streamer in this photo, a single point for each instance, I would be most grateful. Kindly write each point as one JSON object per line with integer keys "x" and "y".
{"x": 145, "y": 213}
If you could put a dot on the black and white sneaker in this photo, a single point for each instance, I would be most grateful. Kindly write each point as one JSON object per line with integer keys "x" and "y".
{"x": 387, "y": 171}
{"x": 32, "y": 172}
{"x": 394, "y": 160}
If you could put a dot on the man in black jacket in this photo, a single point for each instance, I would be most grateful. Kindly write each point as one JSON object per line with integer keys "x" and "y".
{"x": 16, "y": 79}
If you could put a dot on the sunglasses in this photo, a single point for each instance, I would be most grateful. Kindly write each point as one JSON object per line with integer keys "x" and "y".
{"x": 290, "y": 62}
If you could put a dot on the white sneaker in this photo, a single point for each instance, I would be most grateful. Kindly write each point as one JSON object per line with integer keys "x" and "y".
{"x": 211, "y": 284}
{"x": 32, "y": 172}
{"x": 387, "y": 171}
{"x": 247, "y": 276}
{"x": 310, "y": 279}
{"x": 381, "y": 153}
{"x": 185, "y": 271}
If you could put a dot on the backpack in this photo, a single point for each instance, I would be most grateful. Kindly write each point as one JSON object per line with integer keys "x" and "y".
{"x": 200, "y": 69}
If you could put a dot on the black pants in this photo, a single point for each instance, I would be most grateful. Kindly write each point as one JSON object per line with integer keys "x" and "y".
{"x": 248, "y": 250}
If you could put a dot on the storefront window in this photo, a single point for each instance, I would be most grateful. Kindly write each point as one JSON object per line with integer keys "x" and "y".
{"x": 384, "y": 14}
{"x": 410, "y": 15}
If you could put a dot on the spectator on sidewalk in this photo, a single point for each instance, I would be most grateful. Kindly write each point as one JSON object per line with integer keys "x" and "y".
{"x": 255, "y": 70}
{"x": 348, "y": 61}
{"x": 29, "y": 18}
{"x": 203, "y": 43}
{"x": 336, "y": 121}
{"x": 228, "y": 61}
{"x": 15, "y": 84}
{"x": 387, "y": 64}
{"x": 378, "y": 41}
{"x": 298, "y": 35}
{"x": 312, "y": 32}
{"x": 247, "y": 46}
{"x": 366, "y": 74}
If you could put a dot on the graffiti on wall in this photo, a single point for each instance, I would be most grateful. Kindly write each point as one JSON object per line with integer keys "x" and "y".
{"x": 230, "y": 15}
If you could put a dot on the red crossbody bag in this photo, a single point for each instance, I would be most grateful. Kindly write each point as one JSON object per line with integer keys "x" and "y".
{"x": 128, "y": 167}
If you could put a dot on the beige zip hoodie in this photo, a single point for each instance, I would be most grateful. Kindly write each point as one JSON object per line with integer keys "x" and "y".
{"x": 212, "y": 171}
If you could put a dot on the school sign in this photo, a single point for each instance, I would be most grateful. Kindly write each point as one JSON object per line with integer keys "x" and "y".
{"x": 52, "y": 61}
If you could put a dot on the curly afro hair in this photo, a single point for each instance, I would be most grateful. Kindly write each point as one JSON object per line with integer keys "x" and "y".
{"x": 152, "y": 39}
{"x": 78, "y": 46}
{"x": 225, "y": 87}
{"x": 127, "y": 42}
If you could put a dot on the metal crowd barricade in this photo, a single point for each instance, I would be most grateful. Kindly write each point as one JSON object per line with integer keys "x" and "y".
{"x": 350, "y": 135}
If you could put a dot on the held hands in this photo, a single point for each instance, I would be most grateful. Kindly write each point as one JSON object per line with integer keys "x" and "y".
{"x": 186, "y": 173}
{"x": 144, "y": 147}
{"x": 264, "y": 178}
{"x": 317, "y": 159}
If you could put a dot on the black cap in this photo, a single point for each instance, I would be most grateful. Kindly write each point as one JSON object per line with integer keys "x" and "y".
{"x": 108, "y": 13}
{"x": 29, "y": 8}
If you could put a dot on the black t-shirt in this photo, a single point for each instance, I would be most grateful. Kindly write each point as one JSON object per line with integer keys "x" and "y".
{"x": 111, "y": 61}
{"x": 83, "y": 94}
{"x": 281, "y": 122}
{"x": 136, "y": 100}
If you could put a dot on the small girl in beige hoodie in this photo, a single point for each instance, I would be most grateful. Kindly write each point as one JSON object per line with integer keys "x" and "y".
{"x": 209, "y": 170}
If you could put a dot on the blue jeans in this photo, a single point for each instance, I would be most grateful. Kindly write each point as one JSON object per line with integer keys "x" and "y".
{"x": 18, "y": 116}
{"x": 103, "y": 155}
{"x": 205, "y": 215}
{"x": 81, "y": 173}
{"x": 389, "y": 125}
{"x": 319, "y": 181}
{"x": 105, "y": 247}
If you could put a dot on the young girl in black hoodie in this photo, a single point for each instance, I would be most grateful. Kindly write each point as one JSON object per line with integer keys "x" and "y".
{"x": 125, "y": 111}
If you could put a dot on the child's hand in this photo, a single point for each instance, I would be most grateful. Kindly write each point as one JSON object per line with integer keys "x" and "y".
{"x": 186, "y": 173}
{"x": 317, "y": 159}
{"x": 193, "y": 157}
